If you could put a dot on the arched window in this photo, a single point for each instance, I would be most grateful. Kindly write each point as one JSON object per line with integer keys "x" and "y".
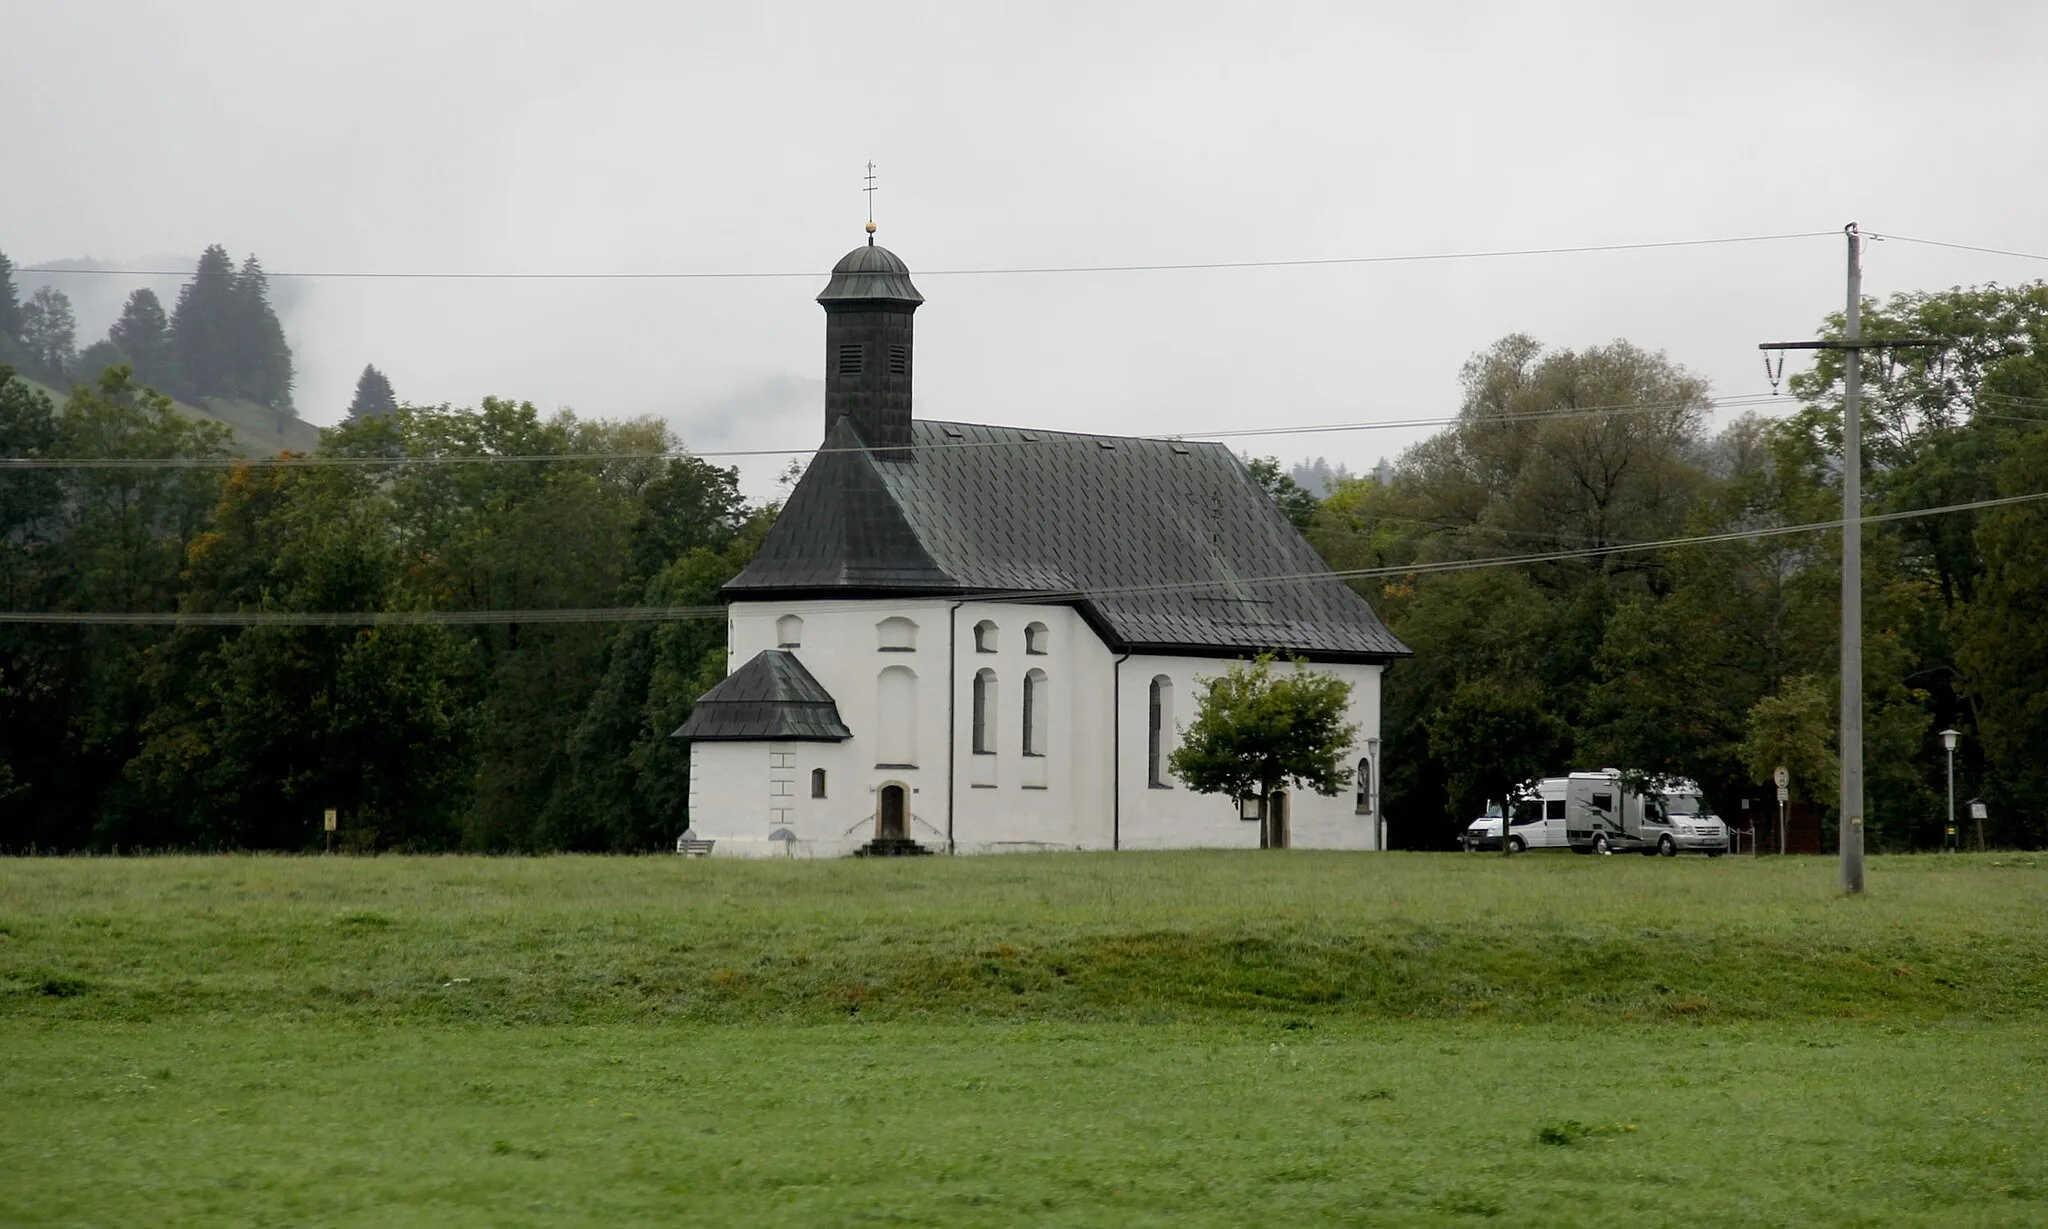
{"x": 984, "y": 712}
{"x": 789, "y": 632}
{"x": 1034, "y": 639}
{"x": 1036, "y": 718}
{"x": 984, "y": 637}
{"x": 896, "y": 718}
{"x": 817, "y": 783}
{"x": 896, "y": 635}
{"x": 1159, "y": 732}
{"x": 1365, "y": 787}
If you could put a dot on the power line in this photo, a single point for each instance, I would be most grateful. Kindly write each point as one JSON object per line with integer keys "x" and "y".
{"x": 1188, "y": 266}
{"x": 316, "y": 460}
{"x": 1962, "y": 247}
{"x": 651, "y": 614}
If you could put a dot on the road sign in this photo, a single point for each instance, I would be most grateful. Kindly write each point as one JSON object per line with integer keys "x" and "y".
{"x": 1784, "y": 795}
{"x": 330, "y": 819}
{"x": 1783, "y": 778}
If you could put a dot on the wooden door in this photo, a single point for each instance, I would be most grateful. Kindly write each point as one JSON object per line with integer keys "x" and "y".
{"x": 891, "y": 820}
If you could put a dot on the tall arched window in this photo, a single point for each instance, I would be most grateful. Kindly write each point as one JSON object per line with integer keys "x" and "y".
{"x": 817, "y": 783}
{"x": 896, "y": 718}
{"x": 1036, "y": 719}
{"x": 984, "y": 637}
{"x": 1034, "y": 639}
{"x": 1159, "y": 732}
{"x": 896, "y": 635}
{"x": 1365, "y": 787}
{"x": 789, "y": 632}
{"x": 984, "y": 712}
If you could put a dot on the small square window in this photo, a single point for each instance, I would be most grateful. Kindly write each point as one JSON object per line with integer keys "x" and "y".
{"x": 850, "y": 360}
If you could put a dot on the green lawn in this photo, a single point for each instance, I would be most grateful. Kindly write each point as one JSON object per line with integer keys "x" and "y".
{"x": 1072, "y": 1039}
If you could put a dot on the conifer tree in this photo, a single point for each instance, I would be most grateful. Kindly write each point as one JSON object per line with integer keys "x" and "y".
{"x": 142, "y": 335}
{"x": 10, "y": 304}
{"x": 373, "y": 395}
{"x": 262, "y": 358}
{"x": 202, "y": 327}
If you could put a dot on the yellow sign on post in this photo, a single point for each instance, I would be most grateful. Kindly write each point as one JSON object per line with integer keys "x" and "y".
{"x": 330, "y": 819}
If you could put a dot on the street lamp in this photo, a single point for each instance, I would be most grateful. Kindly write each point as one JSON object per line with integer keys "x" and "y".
{"x": 1372, "y": 797}
{"x": 1949, "y": 739}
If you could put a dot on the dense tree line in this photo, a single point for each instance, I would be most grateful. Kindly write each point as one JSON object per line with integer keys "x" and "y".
{"x": 221, "y": 338}
{"x": 500, "y": 736}
{"x": 1718, "y": 661}
{"x": 1714, "y": 661}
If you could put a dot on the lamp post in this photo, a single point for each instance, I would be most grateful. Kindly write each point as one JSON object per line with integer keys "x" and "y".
{"x": 1949, "y": 738}
{"x": 1372, "y": 795}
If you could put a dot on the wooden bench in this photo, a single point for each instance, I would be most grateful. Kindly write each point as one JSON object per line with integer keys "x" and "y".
{"x": 690, "y": 846}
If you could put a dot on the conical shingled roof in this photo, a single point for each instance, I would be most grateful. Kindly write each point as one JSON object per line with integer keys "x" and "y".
{"x": 770, "y": 699}
{"x": 870, "y": 272}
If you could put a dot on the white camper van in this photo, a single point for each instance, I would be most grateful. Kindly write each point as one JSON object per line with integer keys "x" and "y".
{"x": 1538, "y": 821}
{"x": 1603, "y": 815}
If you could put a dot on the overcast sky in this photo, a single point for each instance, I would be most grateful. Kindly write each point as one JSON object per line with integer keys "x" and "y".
{"x": 671, "y": 137}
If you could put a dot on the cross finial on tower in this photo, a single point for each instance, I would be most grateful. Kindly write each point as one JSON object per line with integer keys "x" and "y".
{"x": 870, "y": 190}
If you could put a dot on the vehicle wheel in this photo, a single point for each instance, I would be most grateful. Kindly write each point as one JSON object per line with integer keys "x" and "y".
{"x": 1517, "y": 845}
{"x": 1600, "y": 845}
{"x": 1667, "y": 846}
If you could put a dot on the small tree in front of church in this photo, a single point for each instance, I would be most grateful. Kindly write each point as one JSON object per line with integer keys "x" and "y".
{"x": 1260, "y": 729}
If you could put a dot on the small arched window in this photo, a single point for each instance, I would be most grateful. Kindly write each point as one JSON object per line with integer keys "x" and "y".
{"x": 1365, "y": 787}
{"x": 984, "y": 637}
{"x": 984, "y": 712}
{"x": 1034, "y": 639}
{"x": 1158, "y": 732}
{"x": 789, "y": 632}
{"x": 896, "y": 634}
{"x": 1036, "y": 717}
{"x": 817, "y": 783}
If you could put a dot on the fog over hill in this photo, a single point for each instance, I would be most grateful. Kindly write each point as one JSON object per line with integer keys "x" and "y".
{"x": 734, "y": 140}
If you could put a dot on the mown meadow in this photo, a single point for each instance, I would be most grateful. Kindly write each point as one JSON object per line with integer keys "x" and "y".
{"x": 1200, "y": 1038}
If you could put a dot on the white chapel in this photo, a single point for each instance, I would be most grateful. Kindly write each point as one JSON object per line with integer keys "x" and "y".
{"x": 972, "y": 639}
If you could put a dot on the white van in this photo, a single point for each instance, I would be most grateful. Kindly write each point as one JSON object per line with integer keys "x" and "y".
{"x": 1538, "y": 822}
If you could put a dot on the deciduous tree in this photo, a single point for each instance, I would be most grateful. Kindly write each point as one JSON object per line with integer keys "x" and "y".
{"x": 1258, "y": 728}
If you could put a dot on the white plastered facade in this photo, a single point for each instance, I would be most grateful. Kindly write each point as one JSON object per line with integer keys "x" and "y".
{"x": 1090, "y": 788}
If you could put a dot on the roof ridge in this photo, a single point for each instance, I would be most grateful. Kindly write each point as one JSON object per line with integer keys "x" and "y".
{"x": 1078, "y": 435}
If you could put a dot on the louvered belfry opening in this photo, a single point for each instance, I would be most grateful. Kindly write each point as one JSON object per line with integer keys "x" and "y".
{"x": 869, "y": 304}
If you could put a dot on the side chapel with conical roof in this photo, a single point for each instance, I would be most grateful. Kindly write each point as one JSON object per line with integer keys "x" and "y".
{"x": 961, "y": 638}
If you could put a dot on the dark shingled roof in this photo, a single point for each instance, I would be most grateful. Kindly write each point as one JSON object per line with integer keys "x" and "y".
{"x": 771, "y": 698}
{"x": 1000, "y": 511}
{"x": 869, "y": 272}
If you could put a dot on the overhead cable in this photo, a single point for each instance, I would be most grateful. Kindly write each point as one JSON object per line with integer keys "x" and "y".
{"x": 359, "y": 461}
{"x": 1183, "y": 266}
{"x": 664, "y": 614}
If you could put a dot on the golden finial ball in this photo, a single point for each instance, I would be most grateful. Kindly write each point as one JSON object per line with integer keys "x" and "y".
{"x": 871, "y": 228}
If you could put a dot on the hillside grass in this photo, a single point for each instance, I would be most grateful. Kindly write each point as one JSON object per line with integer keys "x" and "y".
{"x": 256, "y": 429}
{"x": 1078, "y": 937}
{"x": 1169, "y": 1039}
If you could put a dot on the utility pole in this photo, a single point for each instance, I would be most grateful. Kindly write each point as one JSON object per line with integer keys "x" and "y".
{"x": 1851, "y": 738}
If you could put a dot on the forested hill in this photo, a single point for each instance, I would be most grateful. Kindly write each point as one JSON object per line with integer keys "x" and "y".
{"x": 220, "y": 350}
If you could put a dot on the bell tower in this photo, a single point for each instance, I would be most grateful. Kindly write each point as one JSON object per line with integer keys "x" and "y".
{"x": 868, "y": 351}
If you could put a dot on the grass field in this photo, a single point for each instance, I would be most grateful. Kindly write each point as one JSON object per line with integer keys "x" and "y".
{"x": 1074, "y": 1039}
